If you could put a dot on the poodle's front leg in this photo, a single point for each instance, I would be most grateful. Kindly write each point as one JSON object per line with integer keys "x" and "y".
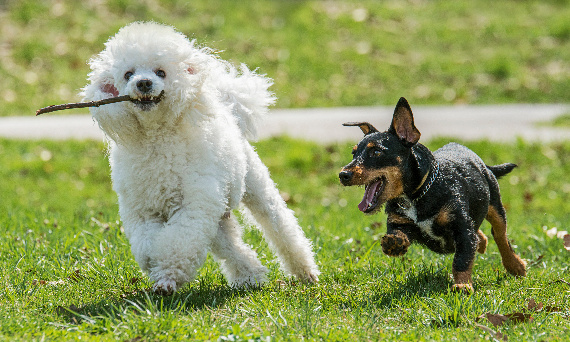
{"x": 280, "y": 227}
{"x": 180, "y": 248}
{"x": 141, "y": 234}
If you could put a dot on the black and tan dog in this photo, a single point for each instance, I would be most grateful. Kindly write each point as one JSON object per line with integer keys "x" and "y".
{"x": 436, "y": 199}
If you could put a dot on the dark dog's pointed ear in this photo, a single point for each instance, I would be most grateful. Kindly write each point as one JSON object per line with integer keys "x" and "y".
{"x": 364, "y": 126}
{"x": 403, "y": 124}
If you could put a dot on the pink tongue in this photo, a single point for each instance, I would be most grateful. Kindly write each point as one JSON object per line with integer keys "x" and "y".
{"x": 368, "y": 195}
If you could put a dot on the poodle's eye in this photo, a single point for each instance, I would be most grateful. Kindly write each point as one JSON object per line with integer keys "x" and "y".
{"x": 128, "y": 75}
{"x": 160, "y": 73}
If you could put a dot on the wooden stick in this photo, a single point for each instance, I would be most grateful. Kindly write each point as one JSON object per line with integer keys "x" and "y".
{"x": 83, "y": 104}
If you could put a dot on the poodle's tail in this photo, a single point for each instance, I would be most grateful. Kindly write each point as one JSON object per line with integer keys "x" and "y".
{"x": 247, "y": 93}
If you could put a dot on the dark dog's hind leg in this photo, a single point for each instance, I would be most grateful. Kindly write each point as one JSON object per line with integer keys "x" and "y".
{"x": 498, "y": 219}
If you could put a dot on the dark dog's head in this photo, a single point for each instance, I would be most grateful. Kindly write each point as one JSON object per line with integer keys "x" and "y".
{"x": 380, "y": 158}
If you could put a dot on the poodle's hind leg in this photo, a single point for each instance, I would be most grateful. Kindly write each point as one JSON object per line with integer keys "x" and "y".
{"x": 238, "y": 261}
{"x": 278, "y": 223}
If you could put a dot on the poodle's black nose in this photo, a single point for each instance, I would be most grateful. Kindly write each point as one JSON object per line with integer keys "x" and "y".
{"x": 144, "y": 85}
{"x": 345, "y": 176}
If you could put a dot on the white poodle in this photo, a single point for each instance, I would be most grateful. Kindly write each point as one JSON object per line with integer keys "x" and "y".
{"x": 181, "y": 162}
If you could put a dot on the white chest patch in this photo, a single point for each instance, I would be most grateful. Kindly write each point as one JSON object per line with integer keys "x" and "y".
{"x": 426, "y": 226}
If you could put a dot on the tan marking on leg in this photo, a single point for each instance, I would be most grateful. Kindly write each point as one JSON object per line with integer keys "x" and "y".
{"x": 444, "y": 217}
{"x": 462, "y": 280}
{"x": 512, "y": 262}
{"x": 398, "y": 219}
{"x": 483, "y": 241}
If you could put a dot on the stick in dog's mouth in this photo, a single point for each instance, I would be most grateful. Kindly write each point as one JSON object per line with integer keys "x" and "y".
{"x": 54, "y": 108}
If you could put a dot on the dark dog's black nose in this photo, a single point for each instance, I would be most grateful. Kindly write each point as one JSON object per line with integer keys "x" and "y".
{"x": 345, "y": 176}
{"x": 144, "y": 85}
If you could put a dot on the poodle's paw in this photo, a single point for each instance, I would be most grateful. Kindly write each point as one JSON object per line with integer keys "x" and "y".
{"x": 463, "y": 288}
{"x": 251, "y": 282}
{"x": 164, "y": 287}
{"x": 395, "y": 244}
{"x": 312, "y": 277}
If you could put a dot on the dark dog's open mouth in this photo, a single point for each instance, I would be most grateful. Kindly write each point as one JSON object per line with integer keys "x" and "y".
{"x": 372, "y": 192}
{"x": 147, "y": 101}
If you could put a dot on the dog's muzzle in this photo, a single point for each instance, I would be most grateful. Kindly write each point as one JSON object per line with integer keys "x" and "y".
{"x": 345, "y": 177}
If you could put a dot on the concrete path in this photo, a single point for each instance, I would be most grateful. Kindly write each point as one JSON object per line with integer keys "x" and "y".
{"x": 324, "y": 125}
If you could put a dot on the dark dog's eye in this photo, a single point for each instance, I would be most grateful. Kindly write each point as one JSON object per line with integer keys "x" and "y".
{"x": 376, "y": 153}
{"x": 128, "y": 75}
{"x": 160, "y": 73}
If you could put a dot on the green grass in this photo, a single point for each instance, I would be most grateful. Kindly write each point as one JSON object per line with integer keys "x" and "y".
{"x": 320, "y": 53}
{"x": 66, "y": 272}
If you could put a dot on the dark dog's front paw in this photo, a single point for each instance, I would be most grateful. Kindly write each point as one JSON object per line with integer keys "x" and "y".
{"x": 395, "y": 244}
{"x": 463, "y": 288}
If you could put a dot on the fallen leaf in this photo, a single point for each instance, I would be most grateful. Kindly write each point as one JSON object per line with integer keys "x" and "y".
{"x": 519, "y": 317}
{"x": 549, "y": 308}
{"x": 541, "y": 307}
{"x": 135, "y": 280}
{"x": 533, "y": 306}
{"x": 496, "y": 319}
{"x": 566, "y": 238}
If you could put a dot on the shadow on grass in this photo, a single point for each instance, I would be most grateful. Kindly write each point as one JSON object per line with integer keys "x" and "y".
{"x": 195, "y": 297}
{"x": 427, "y": 282}
{"x": 422, "y": 282}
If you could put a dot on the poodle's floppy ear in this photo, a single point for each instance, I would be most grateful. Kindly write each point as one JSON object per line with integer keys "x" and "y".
{"x": 101, "y": 81}
{"x": 364, "y": 126}
{"x": 403, "y": 124}
{"x": 109, "y": 88}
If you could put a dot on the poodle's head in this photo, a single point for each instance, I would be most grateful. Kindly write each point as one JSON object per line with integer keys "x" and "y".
{"x": 160, "y": 69}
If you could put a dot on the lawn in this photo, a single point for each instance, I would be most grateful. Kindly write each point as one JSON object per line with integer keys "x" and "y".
{"x": 66, "y": 271}
{"x": 320, "y": 53}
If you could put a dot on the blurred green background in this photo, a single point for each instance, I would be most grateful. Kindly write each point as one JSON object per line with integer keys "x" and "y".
{"x": 320, "y": 53}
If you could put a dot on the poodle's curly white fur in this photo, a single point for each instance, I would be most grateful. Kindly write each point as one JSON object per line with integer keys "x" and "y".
{"x": 181, "y": 162}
